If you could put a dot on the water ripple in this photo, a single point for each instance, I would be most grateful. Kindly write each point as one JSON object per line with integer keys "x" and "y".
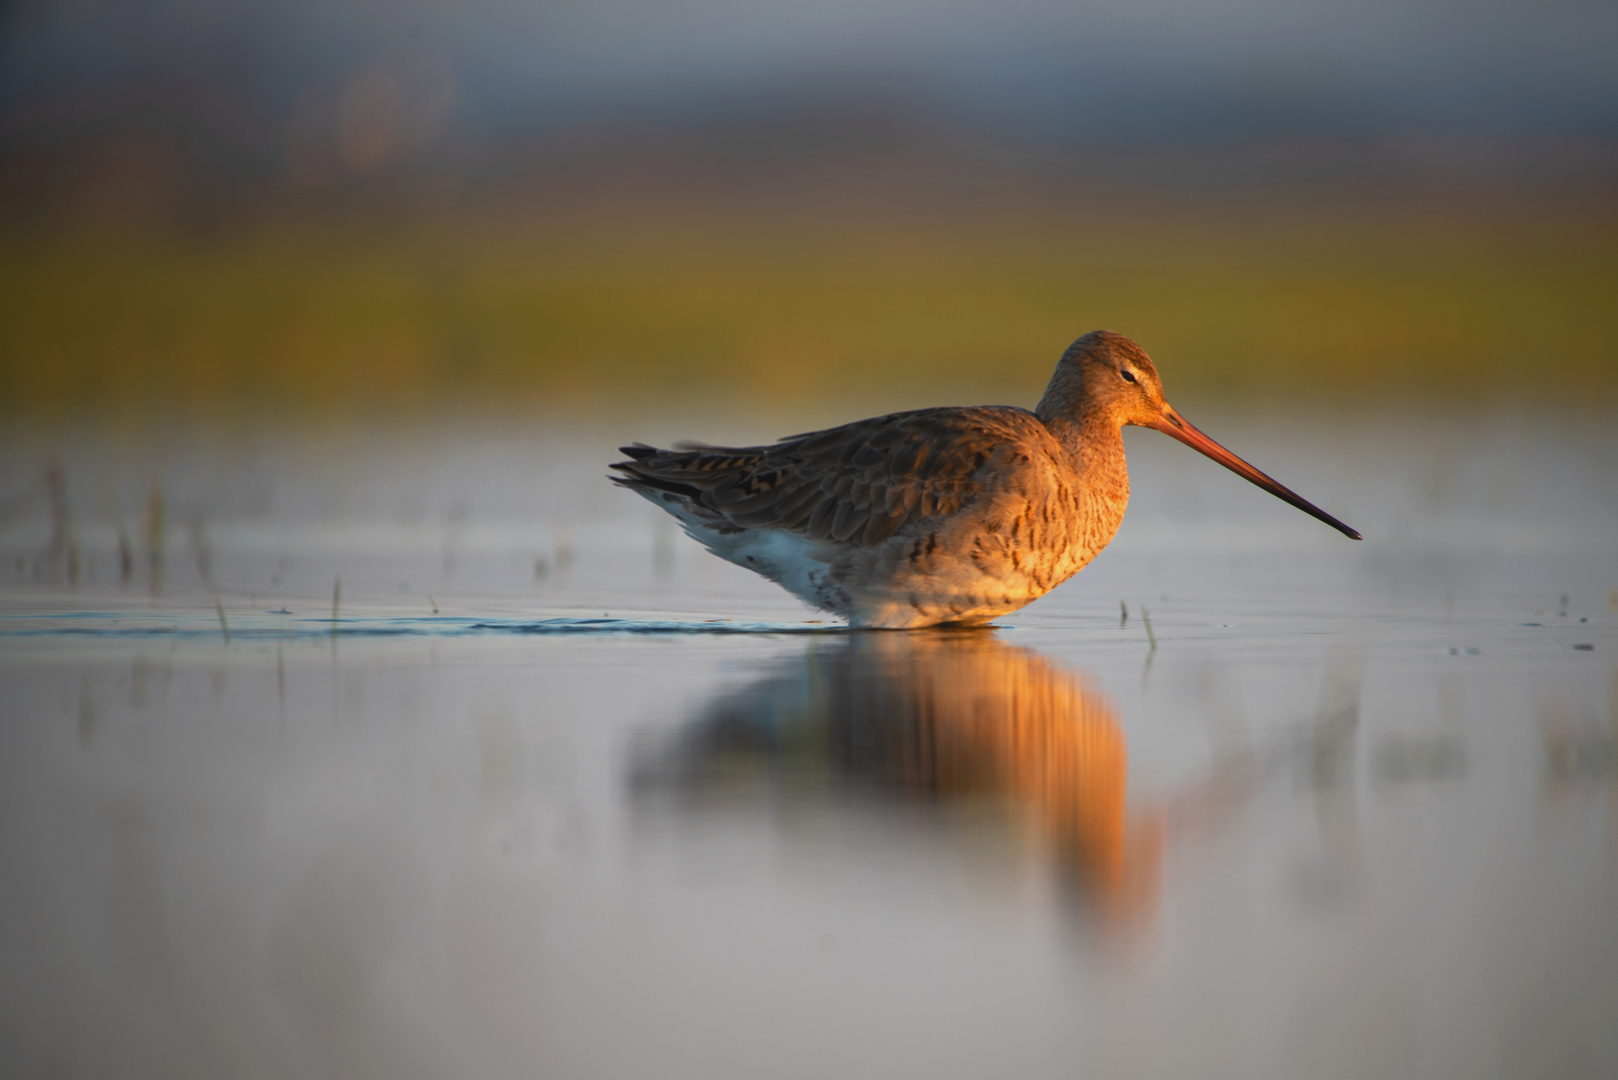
{"x": 205, "y": 625}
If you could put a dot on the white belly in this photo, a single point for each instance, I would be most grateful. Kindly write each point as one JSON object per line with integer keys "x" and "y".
{"x": 815, "y": 574}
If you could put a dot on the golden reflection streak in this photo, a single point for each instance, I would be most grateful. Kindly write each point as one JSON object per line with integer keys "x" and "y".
{"x": 944, "y": 718}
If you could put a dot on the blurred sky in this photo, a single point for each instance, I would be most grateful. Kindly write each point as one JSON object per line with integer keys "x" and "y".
{"x": 236, "y": 93}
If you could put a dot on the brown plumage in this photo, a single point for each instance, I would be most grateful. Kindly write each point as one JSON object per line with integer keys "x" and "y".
{"x": 947, "y": 515}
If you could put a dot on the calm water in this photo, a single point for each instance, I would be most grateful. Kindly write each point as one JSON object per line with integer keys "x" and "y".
{"x": 431, "y": 754}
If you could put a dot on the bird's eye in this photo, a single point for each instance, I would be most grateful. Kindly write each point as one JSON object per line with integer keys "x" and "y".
{"x": 1129, "y": 376}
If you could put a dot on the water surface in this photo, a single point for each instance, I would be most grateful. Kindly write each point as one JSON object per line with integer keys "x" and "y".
{"x": 432, "y": 754}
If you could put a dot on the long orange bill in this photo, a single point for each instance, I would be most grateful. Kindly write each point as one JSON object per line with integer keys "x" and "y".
{"x": 1174, "y": 425}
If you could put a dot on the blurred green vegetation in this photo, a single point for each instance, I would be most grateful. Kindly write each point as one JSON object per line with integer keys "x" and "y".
{"x": 532, "y": 310}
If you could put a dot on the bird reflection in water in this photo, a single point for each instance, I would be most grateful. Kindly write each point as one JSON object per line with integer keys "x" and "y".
{"x": 945, "y": 721}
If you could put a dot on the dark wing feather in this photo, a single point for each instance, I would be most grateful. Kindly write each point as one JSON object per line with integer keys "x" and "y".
{"x": 859, "y": 483}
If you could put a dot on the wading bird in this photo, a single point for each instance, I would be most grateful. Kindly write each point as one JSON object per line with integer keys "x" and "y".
{"x": 935, "y": 516}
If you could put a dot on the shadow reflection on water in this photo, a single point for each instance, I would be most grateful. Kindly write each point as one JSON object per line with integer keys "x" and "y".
{"x": 944, "y": 722}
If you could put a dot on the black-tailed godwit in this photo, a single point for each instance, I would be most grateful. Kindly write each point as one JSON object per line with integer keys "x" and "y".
{"x": 935, "y": 516}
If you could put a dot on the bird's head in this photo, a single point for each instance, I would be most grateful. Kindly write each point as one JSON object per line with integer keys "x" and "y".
{"x": 1114, "y": 377}
{"x": 1105, "y": 380}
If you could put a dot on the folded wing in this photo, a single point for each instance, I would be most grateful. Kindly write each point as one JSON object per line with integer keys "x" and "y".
{"x": 857, "y": 484}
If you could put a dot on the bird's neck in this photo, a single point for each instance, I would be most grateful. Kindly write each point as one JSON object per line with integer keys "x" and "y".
{"x": 1094, "y": 442}
{"x": 1094, "y": 445}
